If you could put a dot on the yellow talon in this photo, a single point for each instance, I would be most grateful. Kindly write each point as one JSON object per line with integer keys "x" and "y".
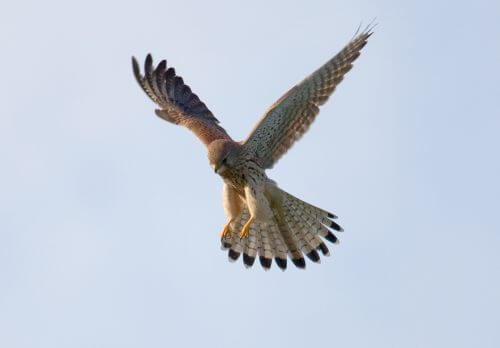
{"x": 245, "y": 231}
{"x": 226, "y": 232}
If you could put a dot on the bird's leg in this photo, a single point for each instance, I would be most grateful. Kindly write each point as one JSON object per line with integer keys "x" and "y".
{"x": 245, "y": 231}
{"x": 232, "y": 206}
{"x": 226, "y": 232}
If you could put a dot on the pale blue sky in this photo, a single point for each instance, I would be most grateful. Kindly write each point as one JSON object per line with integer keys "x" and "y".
{"x": 109, "y": 217}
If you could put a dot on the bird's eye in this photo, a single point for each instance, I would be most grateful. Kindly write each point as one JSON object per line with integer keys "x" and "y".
{"x": 224, "y": 160}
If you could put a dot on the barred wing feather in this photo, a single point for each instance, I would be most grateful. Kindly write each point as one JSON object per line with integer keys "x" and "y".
{"x": 290, "y": 117}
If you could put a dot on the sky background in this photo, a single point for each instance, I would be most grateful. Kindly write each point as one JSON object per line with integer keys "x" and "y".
{"x": 110, "y": 217}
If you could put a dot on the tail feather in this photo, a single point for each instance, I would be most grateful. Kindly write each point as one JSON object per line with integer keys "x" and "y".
{"x": 297, "y": 229}
{"x": 324, "y": 249}
{"x": 311, "y": 236}
{"x": 302, "y": 233}
{"x": 306, "y": 222}
{"x": 298, "y": 237}
{"x": 235, "y": 243}
{"x": 310, "y": 241}
{"x": 250, "y": 246}
{"x": 318, "y": 222}
{"x": 289, "y": 239}
{"x": 316, "y": 213}
{"x": 313, "y": 210}
{"x": 266, "y": 247}
{"x": 325, "y": 232}
{"x": 278, "y": 246}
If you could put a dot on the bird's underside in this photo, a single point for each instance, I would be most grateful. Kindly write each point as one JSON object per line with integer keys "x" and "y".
{"x": 263, "y": 220}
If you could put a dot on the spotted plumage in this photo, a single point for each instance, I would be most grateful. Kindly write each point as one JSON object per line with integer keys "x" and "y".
{"x": 264, "y": 222}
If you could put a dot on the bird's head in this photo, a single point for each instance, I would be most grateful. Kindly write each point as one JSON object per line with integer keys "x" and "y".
{"x": 223, "y": 154}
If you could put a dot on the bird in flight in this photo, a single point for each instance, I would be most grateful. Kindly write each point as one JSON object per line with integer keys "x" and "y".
{"x": 263, "y": 220}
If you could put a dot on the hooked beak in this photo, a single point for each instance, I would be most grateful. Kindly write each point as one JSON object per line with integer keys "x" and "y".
{"x": 216, "y": 168}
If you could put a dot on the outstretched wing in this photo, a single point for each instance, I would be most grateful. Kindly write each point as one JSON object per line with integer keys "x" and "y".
{"x": 178, "y": 104}
{"x": 290, "y": 117}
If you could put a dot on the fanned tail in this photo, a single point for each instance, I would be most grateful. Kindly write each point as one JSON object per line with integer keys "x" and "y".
{"x": 297, "y": 228}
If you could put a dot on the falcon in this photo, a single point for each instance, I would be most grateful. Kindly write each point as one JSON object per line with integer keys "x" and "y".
{"x": 263, "y": 220}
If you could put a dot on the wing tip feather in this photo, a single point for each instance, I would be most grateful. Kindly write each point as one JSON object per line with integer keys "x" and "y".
{"x": 135, "y": 67}
{"x": 148, "y": 63}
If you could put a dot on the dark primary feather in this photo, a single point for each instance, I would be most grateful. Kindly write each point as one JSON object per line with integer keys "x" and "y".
{"x": 166, "y": 89}
{"x": 178, "y": 103}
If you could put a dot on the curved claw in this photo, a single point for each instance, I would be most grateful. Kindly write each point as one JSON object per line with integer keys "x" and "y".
{"x": 226, "y": 232}
{"x": 245, "y": 231}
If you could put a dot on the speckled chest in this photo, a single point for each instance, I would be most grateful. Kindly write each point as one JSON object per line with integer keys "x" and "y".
{"x": 247, "y": 173}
